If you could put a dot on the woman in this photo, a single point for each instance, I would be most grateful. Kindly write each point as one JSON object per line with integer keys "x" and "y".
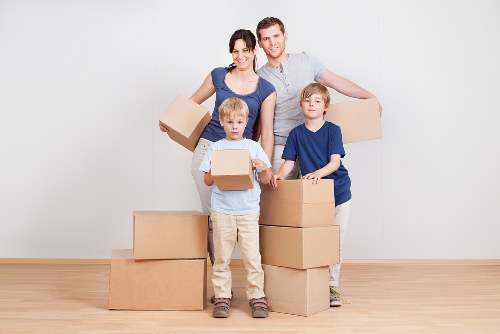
{"x": 237, "y": 80}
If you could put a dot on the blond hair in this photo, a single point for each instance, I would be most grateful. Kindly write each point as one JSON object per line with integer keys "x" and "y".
{"x": 316, "y": 88}
{"x": 233, "y": 106}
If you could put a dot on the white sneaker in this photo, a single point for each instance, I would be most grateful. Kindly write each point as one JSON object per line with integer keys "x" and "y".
{"x": 335, "y": 297}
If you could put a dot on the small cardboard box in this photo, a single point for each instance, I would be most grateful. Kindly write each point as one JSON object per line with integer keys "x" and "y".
{"x": 299, "y": 248}
{"x": 359, "y": 120}
{"x": 156, "y": 284}
{"x": 170, "y": 235}
{"x": 185, "y": 121}
{"x": 298, "y": 203}
{"x": 297, "y": 291}
{"x": 232, "y": 169}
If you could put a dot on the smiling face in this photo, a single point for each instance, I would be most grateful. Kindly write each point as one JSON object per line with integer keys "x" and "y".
{"x": 273, "y": 42}
{"x": 243, "y": 56}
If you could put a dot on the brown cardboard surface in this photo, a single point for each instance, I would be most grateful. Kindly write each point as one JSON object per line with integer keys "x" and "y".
{"x": 170, "y": 235}
{"x": 156, "y": 284}
{"x": 298, "y": 203}
{"x": 297, "y": 291}
{"x": 299, "y": 248}
{"x": 185, "y": 120}
{"x": 232, "y": 169}
{"x": 359, "y": 119}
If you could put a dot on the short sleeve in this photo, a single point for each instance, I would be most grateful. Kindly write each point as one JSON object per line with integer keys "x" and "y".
{"x": 290, "y": 150}
{"x": 336, "y": 145}
{"x": 318, "y": 68}
{"x": 267, "y": 88}
{"x": 218, "y": 74}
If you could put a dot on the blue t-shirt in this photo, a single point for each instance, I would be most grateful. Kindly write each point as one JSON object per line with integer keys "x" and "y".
{"x": 314, "y": 150}
{"x": 214, "y": 131}
{"x": 235, "y": 202}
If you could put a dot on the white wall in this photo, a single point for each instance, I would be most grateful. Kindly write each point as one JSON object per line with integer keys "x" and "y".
{"x": 82, "y": 85}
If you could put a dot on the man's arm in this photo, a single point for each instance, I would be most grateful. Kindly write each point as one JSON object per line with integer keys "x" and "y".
{"x": 345, "y": 86}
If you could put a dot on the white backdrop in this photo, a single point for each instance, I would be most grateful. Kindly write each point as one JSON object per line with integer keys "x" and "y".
{"x": 83, "y": 83}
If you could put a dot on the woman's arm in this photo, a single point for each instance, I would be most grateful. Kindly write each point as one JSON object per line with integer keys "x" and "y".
{"x": 206, "y": 90}
{"x": 267, "y": 124}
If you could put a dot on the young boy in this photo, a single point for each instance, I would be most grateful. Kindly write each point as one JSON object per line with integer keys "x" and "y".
{"x": 235, "y": 214}
{"x": 318, "y": 146}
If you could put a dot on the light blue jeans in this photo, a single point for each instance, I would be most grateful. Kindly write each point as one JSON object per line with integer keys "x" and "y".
{"x": 204, "y": 191}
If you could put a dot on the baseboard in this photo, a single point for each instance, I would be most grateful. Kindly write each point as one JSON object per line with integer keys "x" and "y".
{"x": 239, "y": 262}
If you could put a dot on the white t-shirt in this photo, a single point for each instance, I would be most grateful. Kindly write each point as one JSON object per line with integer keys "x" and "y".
{"x": 236, "y": 202}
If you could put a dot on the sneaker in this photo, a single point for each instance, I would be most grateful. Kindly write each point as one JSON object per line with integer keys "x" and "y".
{"x": 212, "y": 300}
{"x": 221, "y": 307}
{"x": 259, "y": 307}
{"x": 335, "y": 297}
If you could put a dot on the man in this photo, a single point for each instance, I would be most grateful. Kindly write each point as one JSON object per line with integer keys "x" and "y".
{"x": 290, "y": 73}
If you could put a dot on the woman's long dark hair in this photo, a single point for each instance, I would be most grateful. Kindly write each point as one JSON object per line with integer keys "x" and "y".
{"x": 249, "y": 38}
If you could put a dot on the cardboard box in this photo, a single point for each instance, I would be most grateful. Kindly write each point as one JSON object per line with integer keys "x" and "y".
{"x": 185, "y": 121}
{"x": 170, "y": 235}
{"x": 232, "y": 169}
{"x": 297, "y": 291}
{"x": 156, "y": 284}
{"x": 298, "y": 203}
{"x": 359, "y": 120}
{"x": 299, "y": 248}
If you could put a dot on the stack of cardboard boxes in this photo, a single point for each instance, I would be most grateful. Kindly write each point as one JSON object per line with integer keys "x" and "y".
{"x": 298, "y": 241}
{"x": 167, "y": 267}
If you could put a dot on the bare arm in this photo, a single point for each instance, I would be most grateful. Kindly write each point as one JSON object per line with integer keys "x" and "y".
{"x": 208, "y": 178}
{"x": 267, "y": 124}
{"x": 345, "y": 86}
{"x": 285, "y": 169}
{"x": 206, "y": 90}
{"x": 330, "y": 167}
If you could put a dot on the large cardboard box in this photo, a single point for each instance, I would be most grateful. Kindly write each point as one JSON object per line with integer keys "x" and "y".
{"x": 359, "y": 120}
{"x": 156, "y": 284}
{"x": 298, "y": 203}
{"x": 297, "y": 291}
{"x": 299, "y": 248}
{"x": 232, "y": 169}
{"x": 185, "y": 121}
{"x": 170, "y": 235}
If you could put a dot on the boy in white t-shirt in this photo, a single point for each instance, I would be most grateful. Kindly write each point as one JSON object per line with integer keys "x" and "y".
{"x": 235, "y": 214}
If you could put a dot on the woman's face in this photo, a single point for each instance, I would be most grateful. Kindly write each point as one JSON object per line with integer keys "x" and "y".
{"x": 242, "y": 56}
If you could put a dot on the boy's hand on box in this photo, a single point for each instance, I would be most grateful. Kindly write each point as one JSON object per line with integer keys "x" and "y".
{"x": 274, "y": 181}
{"x": 312, "y": 176}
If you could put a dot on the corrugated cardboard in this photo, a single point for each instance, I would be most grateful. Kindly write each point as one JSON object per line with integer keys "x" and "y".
{"x": 299, "y": 247}
{"x": 170, "y": 235}
{"x": 232, "y": 169}
{"x": 185, "y": 121}
{"x": 359, "y": 120}
{"x": 298, "y": 203}
{"x": 297, "y": 291}
{"x": 156, "y": 284}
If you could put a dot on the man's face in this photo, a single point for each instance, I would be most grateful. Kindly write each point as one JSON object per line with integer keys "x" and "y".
{"x": 273, "y": 41}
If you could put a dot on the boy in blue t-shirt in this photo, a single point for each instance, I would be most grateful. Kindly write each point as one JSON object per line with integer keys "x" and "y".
{"x": 318, "y": 146}
{"x": 235, "y": 214}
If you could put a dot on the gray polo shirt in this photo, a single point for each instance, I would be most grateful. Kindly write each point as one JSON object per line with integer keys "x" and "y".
{"x": 299, "y": 70}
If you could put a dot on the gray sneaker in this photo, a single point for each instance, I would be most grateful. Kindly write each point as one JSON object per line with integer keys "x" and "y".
{"x": 221, "y": 307}
{"x": 335, "y": 297}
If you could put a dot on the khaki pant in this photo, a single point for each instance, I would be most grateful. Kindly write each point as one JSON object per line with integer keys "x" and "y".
{"x": 229, "y": 230}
